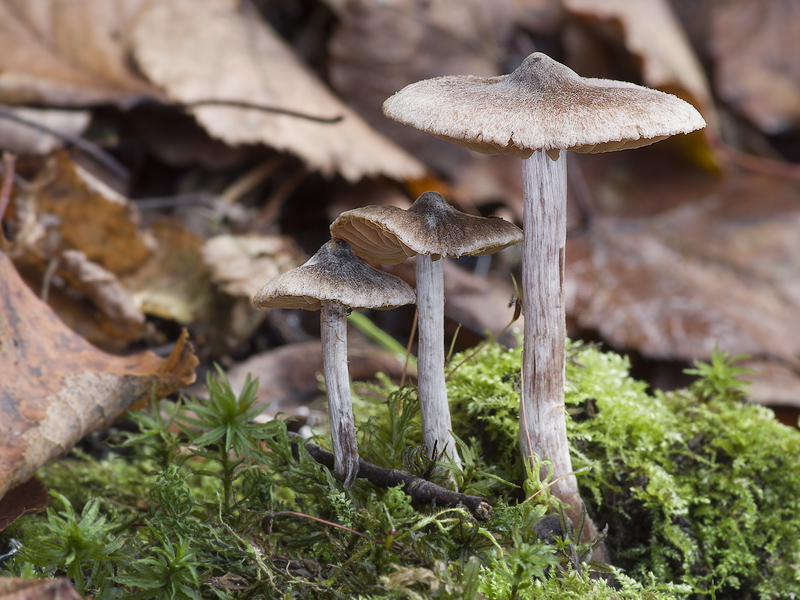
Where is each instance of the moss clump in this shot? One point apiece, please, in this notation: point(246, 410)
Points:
point(698, 486)
point(700, 491)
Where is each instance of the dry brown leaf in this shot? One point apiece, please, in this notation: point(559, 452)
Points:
point(28, 497)
point(56, 387)
point(24, 140)
point(115, 302)
point(174, 282)
point(66, 53)
point(722, 270)
point(289, 375)
point(653, 33)
point(241, 264)
point(66, 207)
point(540, 16)
point(219, 49)
point(379, 47)
point(59, 588)
point(755, 46)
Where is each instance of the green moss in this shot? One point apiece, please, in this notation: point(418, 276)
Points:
point(701, 492)
point(697, 486)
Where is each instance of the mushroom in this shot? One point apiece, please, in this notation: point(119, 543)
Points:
point(430, 228)
point(334, 281)
point(536, 113)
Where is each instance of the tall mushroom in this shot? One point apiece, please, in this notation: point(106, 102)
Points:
point(535, 113)
point(334, 281)
point(430, 228)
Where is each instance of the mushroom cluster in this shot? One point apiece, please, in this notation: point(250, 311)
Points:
point(335, 280)
point(536, 113)
point(429, 229)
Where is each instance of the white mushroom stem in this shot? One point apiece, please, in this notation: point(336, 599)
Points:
point(543, 430)
point(433, 405)
point(333, 331)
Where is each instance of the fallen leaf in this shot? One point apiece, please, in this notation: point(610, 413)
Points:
point(28, 497)
point(540, 16)
point(653, 33)
point(380, 47)
point(115, 302)
point(722, 269)
point(289, 375)
point(755, 46)
point(64, 53)
point(776, 383)
point(68, 208)
point(56, 387)
point(241, 264)
point(59, 588)
point(177, 45)
point(174, 282)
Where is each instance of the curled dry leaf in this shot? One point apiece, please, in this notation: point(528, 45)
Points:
point(653, 33)
point(56, 387)
point(220, 50)
point(64, 53)
point(66, 207)
point(104, 289)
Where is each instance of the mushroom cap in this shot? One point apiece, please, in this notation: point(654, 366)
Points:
point(335, 273)
point(389, 235)
point(542, 105)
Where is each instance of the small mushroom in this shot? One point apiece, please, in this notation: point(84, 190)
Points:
point(334, 281)
point(430, 228)
point(534, 113)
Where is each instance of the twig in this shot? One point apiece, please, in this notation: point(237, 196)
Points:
point(9, 161)
point(420, 490)
point(252, 179)
point(248, 105)
point(91, 149)
point(272, 206)
point(751, 162)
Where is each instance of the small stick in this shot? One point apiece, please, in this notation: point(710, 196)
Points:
point(421, 490)
point(93, 150)
point(9, 161)
point(260, 107)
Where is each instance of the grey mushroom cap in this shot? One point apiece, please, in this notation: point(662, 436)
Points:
point(335, 273)
point(542, 105)
point(389, 235)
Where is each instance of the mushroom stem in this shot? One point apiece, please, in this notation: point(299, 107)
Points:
point(433, 404)
point(333, 331)
point(543, 430)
